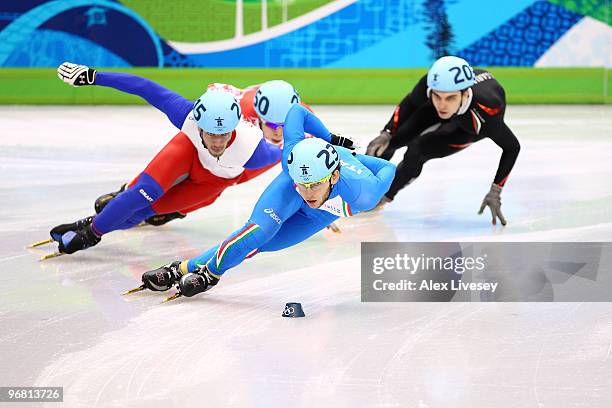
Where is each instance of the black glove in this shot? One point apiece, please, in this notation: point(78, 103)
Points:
point(338, 140)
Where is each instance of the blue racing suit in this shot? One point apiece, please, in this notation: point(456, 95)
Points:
point(281, 218)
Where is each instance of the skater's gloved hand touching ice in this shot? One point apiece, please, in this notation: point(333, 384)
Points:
point(379, 144)
point(493, 201)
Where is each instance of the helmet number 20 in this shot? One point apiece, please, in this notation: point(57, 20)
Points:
point(465, 70)
point(327, 152)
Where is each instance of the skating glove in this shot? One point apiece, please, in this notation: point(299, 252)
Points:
point(76, 75)
point(493, 201)
point(379, 144)
point(338, 140)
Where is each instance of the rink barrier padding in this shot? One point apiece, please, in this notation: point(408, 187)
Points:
point(40, 86)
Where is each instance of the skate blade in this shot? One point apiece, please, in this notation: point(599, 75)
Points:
point(175, 296)
point(53, 255)
point(40, 243)
point(334, 228)
point(138, 289)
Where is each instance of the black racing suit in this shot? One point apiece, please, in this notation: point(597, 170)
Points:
point(483, 118)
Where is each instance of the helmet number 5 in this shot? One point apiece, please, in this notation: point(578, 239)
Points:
point(198, 110)
point(465, 70)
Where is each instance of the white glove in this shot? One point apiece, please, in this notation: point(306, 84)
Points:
point(76, 75)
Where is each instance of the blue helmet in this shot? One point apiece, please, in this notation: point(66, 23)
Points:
point(274, 99)
point(217, 112)
point(450, 74)
point(311, 160)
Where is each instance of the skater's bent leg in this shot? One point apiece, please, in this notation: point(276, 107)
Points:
point(172, 163)
point(298, 228)
point(188, 196)
point(407, 170)
point(250, 174)
point(136, 218)
point(277, 203)
point(123, 207)
point(433, 145)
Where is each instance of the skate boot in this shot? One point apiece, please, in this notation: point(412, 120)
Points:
point(57, 232)
point(161, 219)
point(104, 199)
point(161, 279)
point(73, 241)
point(199, 281)
point(191, 284)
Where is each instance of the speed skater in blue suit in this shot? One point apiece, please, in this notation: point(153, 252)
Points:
point(319, 183)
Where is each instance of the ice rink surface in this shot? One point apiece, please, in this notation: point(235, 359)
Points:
point(63, 322)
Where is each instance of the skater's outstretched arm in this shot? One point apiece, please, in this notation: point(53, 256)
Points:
point(379, 167)
point(394, 135)
point(408, 105)
point(173, 105)
point(374, 183)
point(265, 154)
point(300, 120)
point(501, 134)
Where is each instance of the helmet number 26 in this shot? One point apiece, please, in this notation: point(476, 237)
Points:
point(465, 70)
